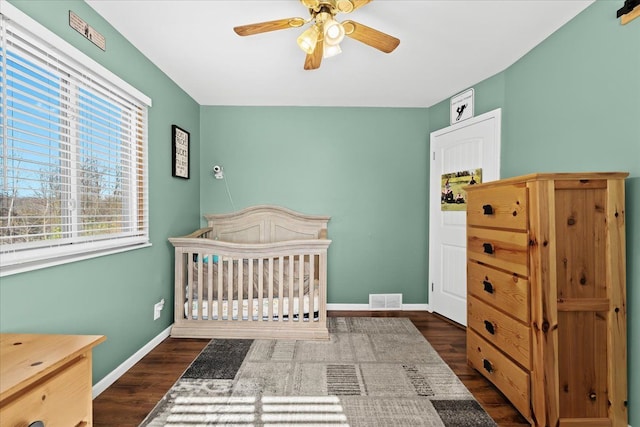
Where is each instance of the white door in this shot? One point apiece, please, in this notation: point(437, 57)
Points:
point(472, 144)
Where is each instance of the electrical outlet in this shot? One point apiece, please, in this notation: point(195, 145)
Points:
point(157, 308)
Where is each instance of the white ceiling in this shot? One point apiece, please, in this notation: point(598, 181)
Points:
point(445, 47)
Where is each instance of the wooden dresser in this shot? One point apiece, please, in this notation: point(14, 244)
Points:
point(46, 378)
point(546, 295)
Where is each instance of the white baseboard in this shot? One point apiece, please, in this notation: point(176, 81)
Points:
point(416, 307)
point(365, 307)
point(111, 377)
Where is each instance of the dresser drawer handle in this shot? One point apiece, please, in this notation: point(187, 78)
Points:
point(488, 248)
point(488, 286)
point(36, 424)
point(487, 366)
point(490, 327)
point(488, 209)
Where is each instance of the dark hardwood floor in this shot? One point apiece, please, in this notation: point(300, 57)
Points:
point(127, 401)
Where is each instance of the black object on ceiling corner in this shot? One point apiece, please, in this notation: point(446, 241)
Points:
point(629, 5)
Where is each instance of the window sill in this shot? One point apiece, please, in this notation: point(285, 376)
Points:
point(10, 270)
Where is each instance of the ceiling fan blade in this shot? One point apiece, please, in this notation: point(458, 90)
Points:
point(313, 60)
point(343, 6)
point(371, 37)
point(357, 4)
point(263, 27)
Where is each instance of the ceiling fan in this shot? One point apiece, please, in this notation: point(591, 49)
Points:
point(322, 39)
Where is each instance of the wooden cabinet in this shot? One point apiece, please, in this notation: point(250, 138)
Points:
point(546, 286)
point(46, 378)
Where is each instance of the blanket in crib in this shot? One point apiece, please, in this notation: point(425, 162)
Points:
point(274, 274)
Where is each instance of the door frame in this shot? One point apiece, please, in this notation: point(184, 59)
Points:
point(434, 208)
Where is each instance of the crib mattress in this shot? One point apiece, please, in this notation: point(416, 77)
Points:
point(204, 306)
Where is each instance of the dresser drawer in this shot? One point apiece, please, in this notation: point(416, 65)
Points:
point(502, 249)
point(507, 292)
point(63, 399)
point(499, 207)
point(513, 381)
point(506, 333)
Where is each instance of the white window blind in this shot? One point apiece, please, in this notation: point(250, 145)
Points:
point(73, 177)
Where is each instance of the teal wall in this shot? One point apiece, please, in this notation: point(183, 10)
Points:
point(114, 295)
point(573, 104)
point(365, 167)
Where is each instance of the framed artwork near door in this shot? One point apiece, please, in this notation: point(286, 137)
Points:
point(453, 196)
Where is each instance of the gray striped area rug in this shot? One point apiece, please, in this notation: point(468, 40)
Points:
point(372, 372)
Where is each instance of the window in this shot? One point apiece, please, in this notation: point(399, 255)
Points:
point(73, 172)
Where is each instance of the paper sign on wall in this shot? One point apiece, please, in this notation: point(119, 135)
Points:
point(87, 31)
point(462, 106)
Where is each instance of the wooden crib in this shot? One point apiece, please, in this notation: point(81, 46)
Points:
point(257, 273)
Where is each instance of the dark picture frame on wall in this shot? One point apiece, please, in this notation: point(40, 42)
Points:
point(180, 148)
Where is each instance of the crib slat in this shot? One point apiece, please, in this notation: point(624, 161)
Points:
point(290, 292)
point(270, 291)
point(230, 289)
point(260, 288)
point(178, 304)
point(250, 291)
point(200, 287)
point(322, 289)
point(312, 275)
point(220, 288)
point(210, 287)
point(189, 287)
point(280, 287)
point(240, 284)
point(301, 288)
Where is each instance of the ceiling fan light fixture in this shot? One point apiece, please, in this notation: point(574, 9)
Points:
point(308, 39)
point(322, 39)
point(331, 50)
point(333, 32)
